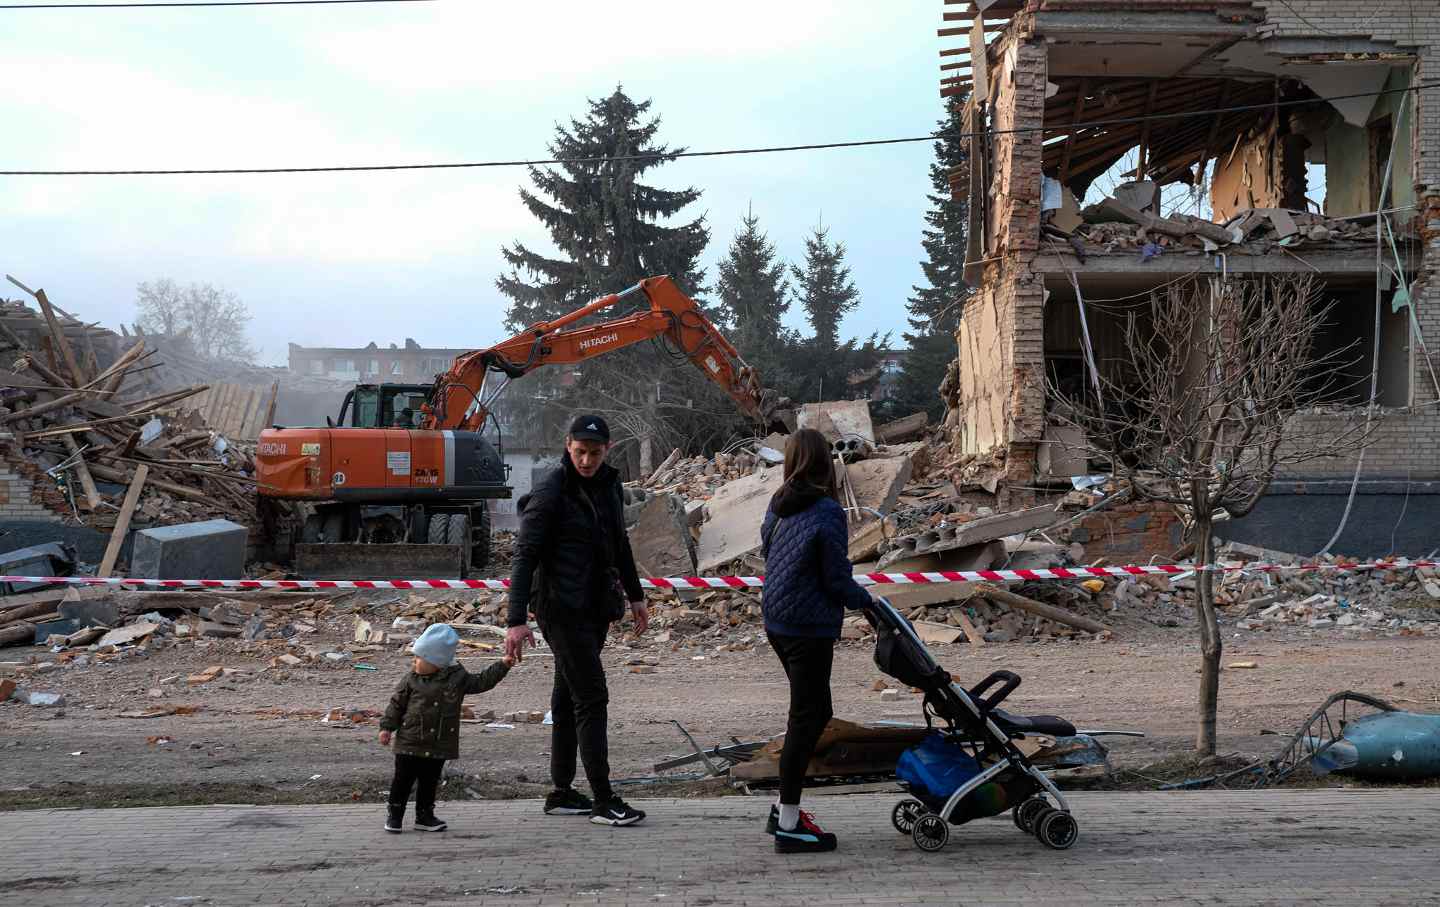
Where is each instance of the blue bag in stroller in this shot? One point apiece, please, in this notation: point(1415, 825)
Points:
point(935, 769)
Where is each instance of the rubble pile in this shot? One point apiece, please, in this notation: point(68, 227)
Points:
point(1398, 601)
point(79, 431)
point(1131, 221)
point(1257, 227)
point(696, 478)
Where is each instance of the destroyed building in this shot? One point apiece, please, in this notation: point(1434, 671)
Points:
point(1094, 125)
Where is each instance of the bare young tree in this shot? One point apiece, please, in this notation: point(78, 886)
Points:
point(214, 319)
point(1200, 415)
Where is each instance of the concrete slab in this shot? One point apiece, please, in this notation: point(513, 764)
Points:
point(836, 419)
point(737, 509)
point(910, 428)
point(982, 556)
point(212, 549)
point(986, 529)
point(878, 482)
point(735, 512)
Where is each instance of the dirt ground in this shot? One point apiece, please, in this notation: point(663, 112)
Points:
point(257, 735)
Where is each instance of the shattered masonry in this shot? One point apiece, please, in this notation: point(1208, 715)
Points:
point(1062, 64)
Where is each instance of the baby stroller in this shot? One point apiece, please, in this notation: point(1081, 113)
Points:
point(971, 768)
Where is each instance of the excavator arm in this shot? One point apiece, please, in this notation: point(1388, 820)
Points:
point(461, 398)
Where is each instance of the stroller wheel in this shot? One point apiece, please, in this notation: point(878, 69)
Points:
point(1057, 830)
point(904, 815)
point(930, 833)
point(1027, 812)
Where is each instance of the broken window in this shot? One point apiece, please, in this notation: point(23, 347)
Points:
point(1347, 340)
point(1345, 344)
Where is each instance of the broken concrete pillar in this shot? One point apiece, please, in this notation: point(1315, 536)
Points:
point(213, 549)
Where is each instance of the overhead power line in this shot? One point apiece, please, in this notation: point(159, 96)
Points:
point(185, 3)
point(729, 152)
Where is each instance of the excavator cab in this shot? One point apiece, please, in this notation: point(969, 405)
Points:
point(384, 406)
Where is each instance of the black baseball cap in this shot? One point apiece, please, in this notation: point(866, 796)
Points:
point(590, 428)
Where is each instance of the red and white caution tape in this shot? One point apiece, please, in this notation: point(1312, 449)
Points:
point(720, 582)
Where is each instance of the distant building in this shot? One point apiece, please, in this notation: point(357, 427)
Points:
point(885, 374)
point(410, 364)
point(892, 363)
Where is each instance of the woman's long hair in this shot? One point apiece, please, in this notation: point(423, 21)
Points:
point(808, 465)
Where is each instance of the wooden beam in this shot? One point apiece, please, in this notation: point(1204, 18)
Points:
point(270, 408)
point(1049, 612)
point(122, 522)
point(1143, 156)
point(119, 365)
point(1215, 126)
point(87, 481)
point(56, 331)
point(1177, 229)
point(952, 32)
point(1070, 139)
point(180, 491)
point(42, 408)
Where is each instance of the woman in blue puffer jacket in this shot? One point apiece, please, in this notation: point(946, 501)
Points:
point(808, 586)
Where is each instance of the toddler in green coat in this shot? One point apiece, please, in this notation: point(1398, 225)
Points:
point(423, 722)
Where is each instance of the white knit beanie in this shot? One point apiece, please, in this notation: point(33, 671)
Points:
point(437, 645)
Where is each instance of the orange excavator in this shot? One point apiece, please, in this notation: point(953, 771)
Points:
point(402, 480)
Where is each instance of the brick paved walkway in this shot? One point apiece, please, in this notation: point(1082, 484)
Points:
point(1345, 847)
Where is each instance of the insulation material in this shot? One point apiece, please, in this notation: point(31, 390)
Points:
point(1249, 177)
point(983, 381)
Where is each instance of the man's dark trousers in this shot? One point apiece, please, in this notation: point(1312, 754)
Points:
point(579, 703)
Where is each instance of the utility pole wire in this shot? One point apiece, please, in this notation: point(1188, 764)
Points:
point(672, 155)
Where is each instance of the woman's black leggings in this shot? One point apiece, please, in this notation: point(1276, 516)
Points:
point(807, 663)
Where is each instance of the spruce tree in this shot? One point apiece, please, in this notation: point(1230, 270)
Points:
point(604, 221)
point(753, 295)
point(610, 230)
point(935, 308)
point(826, 293)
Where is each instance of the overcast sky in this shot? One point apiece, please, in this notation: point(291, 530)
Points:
point(340, 260)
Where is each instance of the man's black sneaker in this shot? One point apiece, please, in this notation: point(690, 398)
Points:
point(615, 812)
point(772, 822)
point(395, 820)
point(429, 823)
point(568, 802)
point(805, 837)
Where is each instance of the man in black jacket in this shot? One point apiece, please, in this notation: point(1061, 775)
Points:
point(573, 568)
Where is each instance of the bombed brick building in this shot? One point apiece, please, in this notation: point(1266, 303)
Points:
point(1209, 137)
